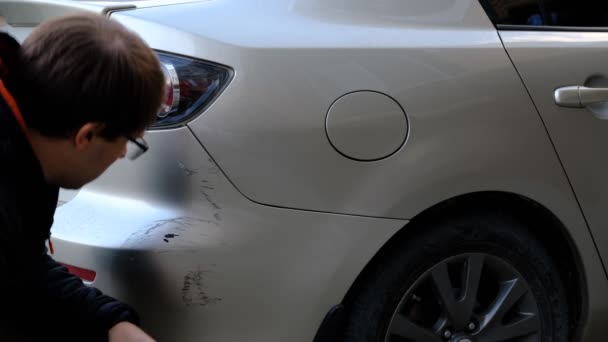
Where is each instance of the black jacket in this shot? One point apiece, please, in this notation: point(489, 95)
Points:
point(40, 300)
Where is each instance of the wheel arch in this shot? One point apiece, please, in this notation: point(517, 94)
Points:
point(540, 221)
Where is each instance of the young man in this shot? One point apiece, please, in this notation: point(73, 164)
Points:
point(72, 96)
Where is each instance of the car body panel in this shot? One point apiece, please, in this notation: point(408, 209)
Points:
point(136, 3)
point(19, 17)
point(455, 83)
point(33, 12)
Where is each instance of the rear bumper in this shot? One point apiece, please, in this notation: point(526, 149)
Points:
point(201, 262)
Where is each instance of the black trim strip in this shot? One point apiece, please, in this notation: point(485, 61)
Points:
point(504, 27)
point(332, 327)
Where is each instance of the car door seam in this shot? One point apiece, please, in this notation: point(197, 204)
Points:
point(556, 153)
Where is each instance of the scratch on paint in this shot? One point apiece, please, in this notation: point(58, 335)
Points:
point(213, 170)
point(180, 224)
point(203, 190)
point(169, 236)
point(188, 171)
point(193, 290)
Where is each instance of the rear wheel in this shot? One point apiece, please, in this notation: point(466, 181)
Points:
point(465, 279)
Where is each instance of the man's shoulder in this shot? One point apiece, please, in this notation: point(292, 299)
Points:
point(11, 157)
point(15, 153)
point(10, 175)
point(15, 167)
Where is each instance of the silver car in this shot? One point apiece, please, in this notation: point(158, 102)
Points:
point(388, 170)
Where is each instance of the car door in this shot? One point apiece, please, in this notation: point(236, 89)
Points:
point(560, 50)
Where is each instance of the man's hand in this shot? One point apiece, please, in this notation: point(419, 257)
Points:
point(128, 332)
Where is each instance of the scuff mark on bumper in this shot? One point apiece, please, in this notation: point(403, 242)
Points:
point(193, 290)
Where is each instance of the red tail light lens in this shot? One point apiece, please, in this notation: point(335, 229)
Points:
point(191, 86)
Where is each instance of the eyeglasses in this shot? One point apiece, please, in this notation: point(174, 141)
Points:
point(136, 148)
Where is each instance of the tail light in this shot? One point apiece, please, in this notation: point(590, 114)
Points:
point(191, 86)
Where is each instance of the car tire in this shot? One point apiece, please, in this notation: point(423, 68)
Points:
point(422, 287)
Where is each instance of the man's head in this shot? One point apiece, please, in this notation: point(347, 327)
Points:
point(85, 86)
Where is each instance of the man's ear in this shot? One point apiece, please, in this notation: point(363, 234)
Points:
point(85, 134)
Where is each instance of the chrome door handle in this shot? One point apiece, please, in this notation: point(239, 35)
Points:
point(579, 96)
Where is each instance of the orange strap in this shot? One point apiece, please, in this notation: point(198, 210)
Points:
point(10, 100)
point(51, 249)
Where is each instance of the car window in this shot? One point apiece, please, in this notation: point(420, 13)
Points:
point(581, 13)
point(563, 13)
point(513, 12)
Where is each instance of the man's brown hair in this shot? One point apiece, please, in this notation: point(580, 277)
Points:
point(87, 68)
